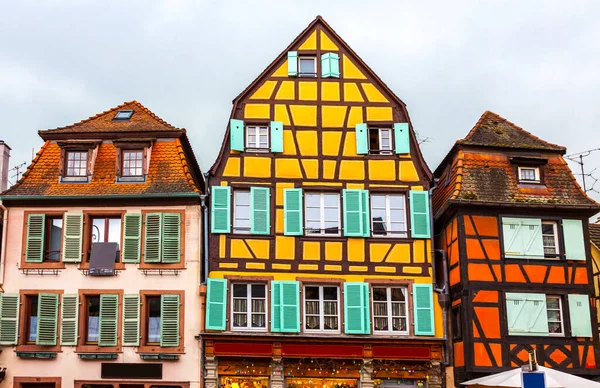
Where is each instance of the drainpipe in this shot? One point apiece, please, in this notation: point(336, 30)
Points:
point(203, 199)
point(3, 210)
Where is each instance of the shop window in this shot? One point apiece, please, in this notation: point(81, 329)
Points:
point(322, 214)
point(249, 307)
point(104, 230)
point(321, 308)
point(390, 312)
point(388, 215)
point(244, 382)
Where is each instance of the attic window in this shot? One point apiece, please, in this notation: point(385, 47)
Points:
point(529, 174)
point(123, 115)
point(307, 66)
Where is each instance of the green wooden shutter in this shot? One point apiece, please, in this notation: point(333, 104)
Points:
point(69, 315)
point(366, 218)
point(152, 238)
point(9, 319)
point(356, 308)
point(236, 134)
point(292, 212)
point(290, 306)
point(334, 65)
point(419, 214)
point(362, 139)
point(292, 63)
point(276, 136)
point(169, 320)
point(579, 311)
point(131, 320)
point(109, 318)
point(526, 314)
point(73, 236)
point(574, 241)
point(325, 65)
point(34, 251)
point(171, 237)
point(276, 306)
point(132, 235)
point(402, 138)
point(47, 319)
point(260, 221)
point(533, 243)
point(220, 209)
point(353, 213)
point(216, 304)
point(513, 243)
point(423, 309)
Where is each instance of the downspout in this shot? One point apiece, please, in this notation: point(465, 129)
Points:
point(203, 282)
point(204, 272)
point(4, 211)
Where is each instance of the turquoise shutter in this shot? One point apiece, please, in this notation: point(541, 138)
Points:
point(276, 306)
point(292, 212)
point(276, 136)
point(152, 238)
point(109, 318)
point(69, 315)
point(362, 139)
point(511, 235)
point(9, 319)
point(236, 134)
point(574, 241)
point(325, 65)
point(353, 213)
point(132, 235)
point(169, 320)
point(220, 209)
point(533, 242)
point(579, 311)
point(290, 306)
point(34, 251)
point(47, 322)
point(131, 320)
point(526, 314)
point(334, 65)
point(171, 237)
point(356, 308)
point(73, 236)
point(216, 304)
point(423, 309)
point(402, 138)
point(366, 218)
point(419, 214)
point(260, 221)
point(522, 237)
point(292, 63)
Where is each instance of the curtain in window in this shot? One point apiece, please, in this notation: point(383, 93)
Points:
point(93, 328)
point(154, 329)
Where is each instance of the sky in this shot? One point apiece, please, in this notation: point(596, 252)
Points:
point(535, 63)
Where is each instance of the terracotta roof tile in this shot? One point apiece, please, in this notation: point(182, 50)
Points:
point(595, 234)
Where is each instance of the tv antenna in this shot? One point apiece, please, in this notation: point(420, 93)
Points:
point(578, 158)
point(18, 171)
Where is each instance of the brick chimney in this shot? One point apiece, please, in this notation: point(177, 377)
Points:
point(4, 158)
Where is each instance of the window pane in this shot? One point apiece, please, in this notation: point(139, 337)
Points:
point(311, 293)
point(153, 319)
point(307, 65)
point(398, 294)
point(397, 201)
point(240, 305)
point(259, 320)
point(258, 305)
point(399, 324)
point(242, 198)
point(258, 291)
point(240, 291)
point(98, 227)
point(93, 318)
point(379, 294)
point(114, 230)
point(32, 327)
point(548, 229)
point(312, 322)
point(332, 227)
point(329, 293)
point(378, 201)
point(313, 213)
point(55, 239)
point(313, 200)
point(554, 327)
point(313, 226)
point(332, 200)
point(381, 324)
point(331, 214)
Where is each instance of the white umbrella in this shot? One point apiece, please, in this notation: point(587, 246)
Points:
point(512, 378)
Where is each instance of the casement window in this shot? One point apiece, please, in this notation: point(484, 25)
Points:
point(104, 230)
point(532, 238)
point(255, 137)
point(390, 310)
point(322, 212)
point(380, 141)
point(76, 163)
point(40, 318)
point(99, 319)
point(388, 215)
point(31, 318)
point(249, 306)
point(241, 211)
point(162, 237)
point(132, 163)
point(251, 214)
point(529, 174)
point(307, 66)
point(92, 321)
point(321, 309)
point(51, 239)
point(161, 316)
point(543, 315)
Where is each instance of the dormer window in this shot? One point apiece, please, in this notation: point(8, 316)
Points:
point(133, 156)
point(77, 160)
point(307, 66)
point(76, 164)
point(529, 174)
point(123, 115)
point(133, 161)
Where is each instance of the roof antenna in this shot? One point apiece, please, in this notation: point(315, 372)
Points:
point(578, 158)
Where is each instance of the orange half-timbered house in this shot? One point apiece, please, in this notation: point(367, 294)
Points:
point(514, 224)
point(320, 250)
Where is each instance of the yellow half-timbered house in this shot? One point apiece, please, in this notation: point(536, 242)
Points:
point(320, 258)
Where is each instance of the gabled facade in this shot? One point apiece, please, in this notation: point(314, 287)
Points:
point(595, 247)
point(514, 224)
point(319, 250)
point(102, 258)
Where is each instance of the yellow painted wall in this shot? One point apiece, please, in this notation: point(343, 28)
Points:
point(596, 269)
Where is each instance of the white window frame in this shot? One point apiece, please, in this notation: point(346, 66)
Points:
point(314, 60)
point(235, 217)
point(536, 175)
point(556, 244)
point(80, 170)
point(322, 309)
point(138, 163)
point(249, 312)
point(388, 220)
point(380, 150)
point(255, 130)
point(388, 290)
point(322, 216)
point(562, 317)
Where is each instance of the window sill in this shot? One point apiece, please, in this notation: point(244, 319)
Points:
point(74, 179)
point(118, 266)
point(38, 348)
point(391, 333)
point(324, 236)
point(248, 330)
point(250, 235)
point(98, 349)
point(155, 349)
point(53, 265)
point(323, 332)
point(131, 179)
point(166, 266)
point(261, 151)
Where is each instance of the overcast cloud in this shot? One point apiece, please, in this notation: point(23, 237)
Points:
point(535, 63)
